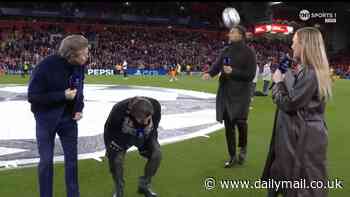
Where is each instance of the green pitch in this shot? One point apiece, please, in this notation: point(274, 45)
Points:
point(187, 164)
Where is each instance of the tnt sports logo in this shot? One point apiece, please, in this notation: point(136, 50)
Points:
point(304, 15)
point(329, 17)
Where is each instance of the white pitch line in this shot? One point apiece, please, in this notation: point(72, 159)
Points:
point(97, 155)
point(7, 151)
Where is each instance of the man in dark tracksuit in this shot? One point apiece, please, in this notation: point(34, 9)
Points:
point(133, 122)
point(55, 92)
point(237, 64)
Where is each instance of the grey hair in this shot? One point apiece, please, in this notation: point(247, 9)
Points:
point(71, 44)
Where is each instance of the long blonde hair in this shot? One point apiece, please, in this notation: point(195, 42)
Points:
point(313, 53)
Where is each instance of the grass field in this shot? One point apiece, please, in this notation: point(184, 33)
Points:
point(187, 164)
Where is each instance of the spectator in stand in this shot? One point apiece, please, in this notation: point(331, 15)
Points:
point(155, 47)
point(266, 74)
point(125, 69)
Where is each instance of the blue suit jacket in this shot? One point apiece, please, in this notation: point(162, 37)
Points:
point(49, 80)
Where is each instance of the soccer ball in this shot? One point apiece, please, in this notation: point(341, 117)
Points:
point(230, 17)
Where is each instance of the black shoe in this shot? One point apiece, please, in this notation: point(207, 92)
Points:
point(147, 192)
point(231, 162)
point(242, 155)
point(116, 195)
point(145, 187)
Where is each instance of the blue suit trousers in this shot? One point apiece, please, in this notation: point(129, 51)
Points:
point(67, 131)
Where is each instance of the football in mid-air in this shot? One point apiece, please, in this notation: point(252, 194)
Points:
point(230, 17)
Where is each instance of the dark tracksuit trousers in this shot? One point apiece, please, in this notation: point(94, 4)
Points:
point(230, 132)
point(117, 143)
point(266, 87)
point(68, 132)
point(150, 150)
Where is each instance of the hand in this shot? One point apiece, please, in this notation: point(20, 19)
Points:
point(70, 94)
point(78, 116)
point(227, 69)
point(277, 76)
point(205, 76)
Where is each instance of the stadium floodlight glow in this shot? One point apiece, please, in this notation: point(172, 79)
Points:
point(273, 28)
point(275, 3)
point(290, 29)
point(268, 28)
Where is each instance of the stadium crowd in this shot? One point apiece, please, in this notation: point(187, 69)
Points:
point(111, 46)
point(341, 64)
point(140, 47)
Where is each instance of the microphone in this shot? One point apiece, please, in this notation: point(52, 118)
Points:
point(283, 66)
point(74, 81)
point(226, 61)
point(140, 132)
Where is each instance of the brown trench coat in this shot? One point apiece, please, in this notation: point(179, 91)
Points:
point(299, 140)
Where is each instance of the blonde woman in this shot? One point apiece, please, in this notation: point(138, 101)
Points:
point(299, 140)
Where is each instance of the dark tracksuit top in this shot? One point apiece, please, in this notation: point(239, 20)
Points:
point(114, 123)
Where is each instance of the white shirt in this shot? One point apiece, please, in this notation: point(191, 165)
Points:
point(178, 68)
point(267, 72)
point(255, 80)
point(125, 65)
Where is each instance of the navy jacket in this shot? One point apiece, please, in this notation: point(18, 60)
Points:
point(50, 78)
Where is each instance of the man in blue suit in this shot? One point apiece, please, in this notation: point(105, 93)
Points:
point(55, 92)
